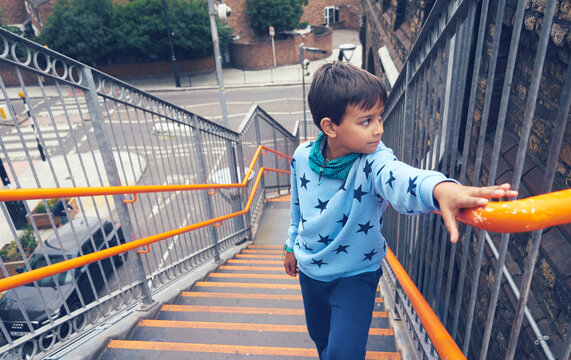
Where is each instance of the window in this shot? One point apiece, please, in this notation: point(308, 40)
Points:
point(331, 15)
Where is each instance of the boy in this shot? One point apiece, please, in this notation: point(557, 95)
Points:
point(341, 185)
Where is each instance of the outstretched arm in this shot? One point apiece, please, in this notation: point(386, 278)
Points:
point(453, 197)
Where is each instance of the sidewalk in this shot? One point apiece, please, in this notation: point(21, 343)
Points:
point(235, 78)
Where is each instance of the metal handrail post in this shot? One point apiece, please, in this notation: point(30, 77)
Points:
point(101, 136)
point(197, 141)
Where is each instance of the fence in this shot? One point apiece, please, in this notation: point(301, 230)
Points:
point(73, 126)
point(439, 116)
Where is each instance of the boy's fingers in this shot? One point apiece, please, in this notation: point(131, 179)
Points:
point(451, 225)
point(494, 191)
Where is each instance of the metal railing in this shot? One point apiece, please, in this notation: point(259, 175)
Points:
point(443, 114)
point(66, 265)
point(95, 131)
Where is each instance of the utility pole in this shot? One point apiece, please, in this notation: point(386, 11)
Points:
point(304, 72)
point(169, 33)
point(218, 60)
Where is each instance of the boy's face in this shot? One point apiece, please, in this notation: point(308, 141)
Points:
point(360, 131)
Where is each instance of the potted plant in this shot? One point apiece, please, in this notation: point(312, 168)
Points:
point(10, 253)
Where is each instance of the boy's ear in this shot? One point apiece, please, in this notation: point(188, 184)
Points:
point(328, 127)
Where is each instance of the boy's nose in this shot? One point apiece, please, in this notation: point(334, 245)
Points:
point(379, 128)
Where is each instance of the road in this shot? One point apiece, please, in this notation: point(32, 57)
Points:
point(283, 103)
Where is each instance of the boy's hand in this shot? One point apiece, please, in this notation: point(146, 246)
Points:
point(453, 197)
point(290, 264)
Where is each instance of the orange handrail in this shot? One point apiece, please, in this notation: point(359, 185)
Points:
point(441, 339)
point(57, 268)
point(529, 214)
point(47, 193)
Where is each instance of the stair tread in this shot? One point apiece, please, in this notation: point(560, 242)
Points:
point(248, 308)
point(167, 351)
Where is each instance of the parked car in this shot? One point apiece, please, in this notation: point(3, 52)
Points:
point(47, 301)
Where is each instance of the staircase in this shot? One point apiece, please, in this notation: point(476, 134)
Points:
point(248, 309)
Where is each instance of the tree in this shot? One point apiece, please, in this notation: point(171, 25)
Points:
point(283, 15)
point(80, 29)
point(141, 30)
point(99, 32)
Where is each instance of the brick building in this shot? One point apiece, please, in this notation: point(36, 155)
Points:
point(342, 13)
point(395, 25)
point(251, 51)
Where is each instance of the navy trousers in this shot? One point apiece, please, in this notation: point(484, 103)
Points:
point(338, 314)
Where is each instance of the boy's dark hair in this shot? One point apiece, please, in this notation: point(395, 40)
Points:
point(339, 84)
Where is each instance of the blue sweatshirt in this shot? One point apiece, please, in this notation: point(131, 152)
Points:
point(335, 226)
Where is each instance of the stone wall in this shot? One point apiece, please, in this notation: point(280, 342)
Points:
point(551, 285)
point(258, 55)
point(394, 24)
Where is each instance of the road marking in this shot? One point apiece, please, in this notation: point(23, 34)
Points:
point(243, 102)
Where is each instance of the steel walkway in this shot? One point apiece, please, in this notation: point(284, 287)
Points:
point(247, 308)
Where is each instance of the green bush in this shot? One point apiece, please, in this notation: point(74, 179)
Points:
point(81, 29)
point(10, 251)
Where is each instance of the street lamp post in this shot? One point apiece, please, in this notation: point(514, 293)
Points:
point(169, 33)
point(218, 61)
point(304, 64)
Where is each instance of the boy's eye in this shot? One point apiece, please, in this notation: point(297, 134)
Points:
point(366, 122)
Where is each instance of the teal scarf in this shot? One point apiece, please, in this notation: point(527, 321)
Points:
point(334, 169)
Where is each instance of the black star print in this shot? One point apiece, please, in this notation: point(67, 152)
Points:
point(344, 220)
point(381, 169)
point(408, 211)
point(412, 185)
point(292, 163)
point(343, 186)
point(381, 221)
point(302, 219)
point(384, 247)
point(304, 181)
point(310, 144)
point(297, 244)
point(370, 255)
point(296, 203)
point(318, 262)
point(324, 239)
point(365, 227)
point(307, 247)
point(322, 205)
point(368, 168)
point(342, 248)
point(358, 193)
point(390, 180)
